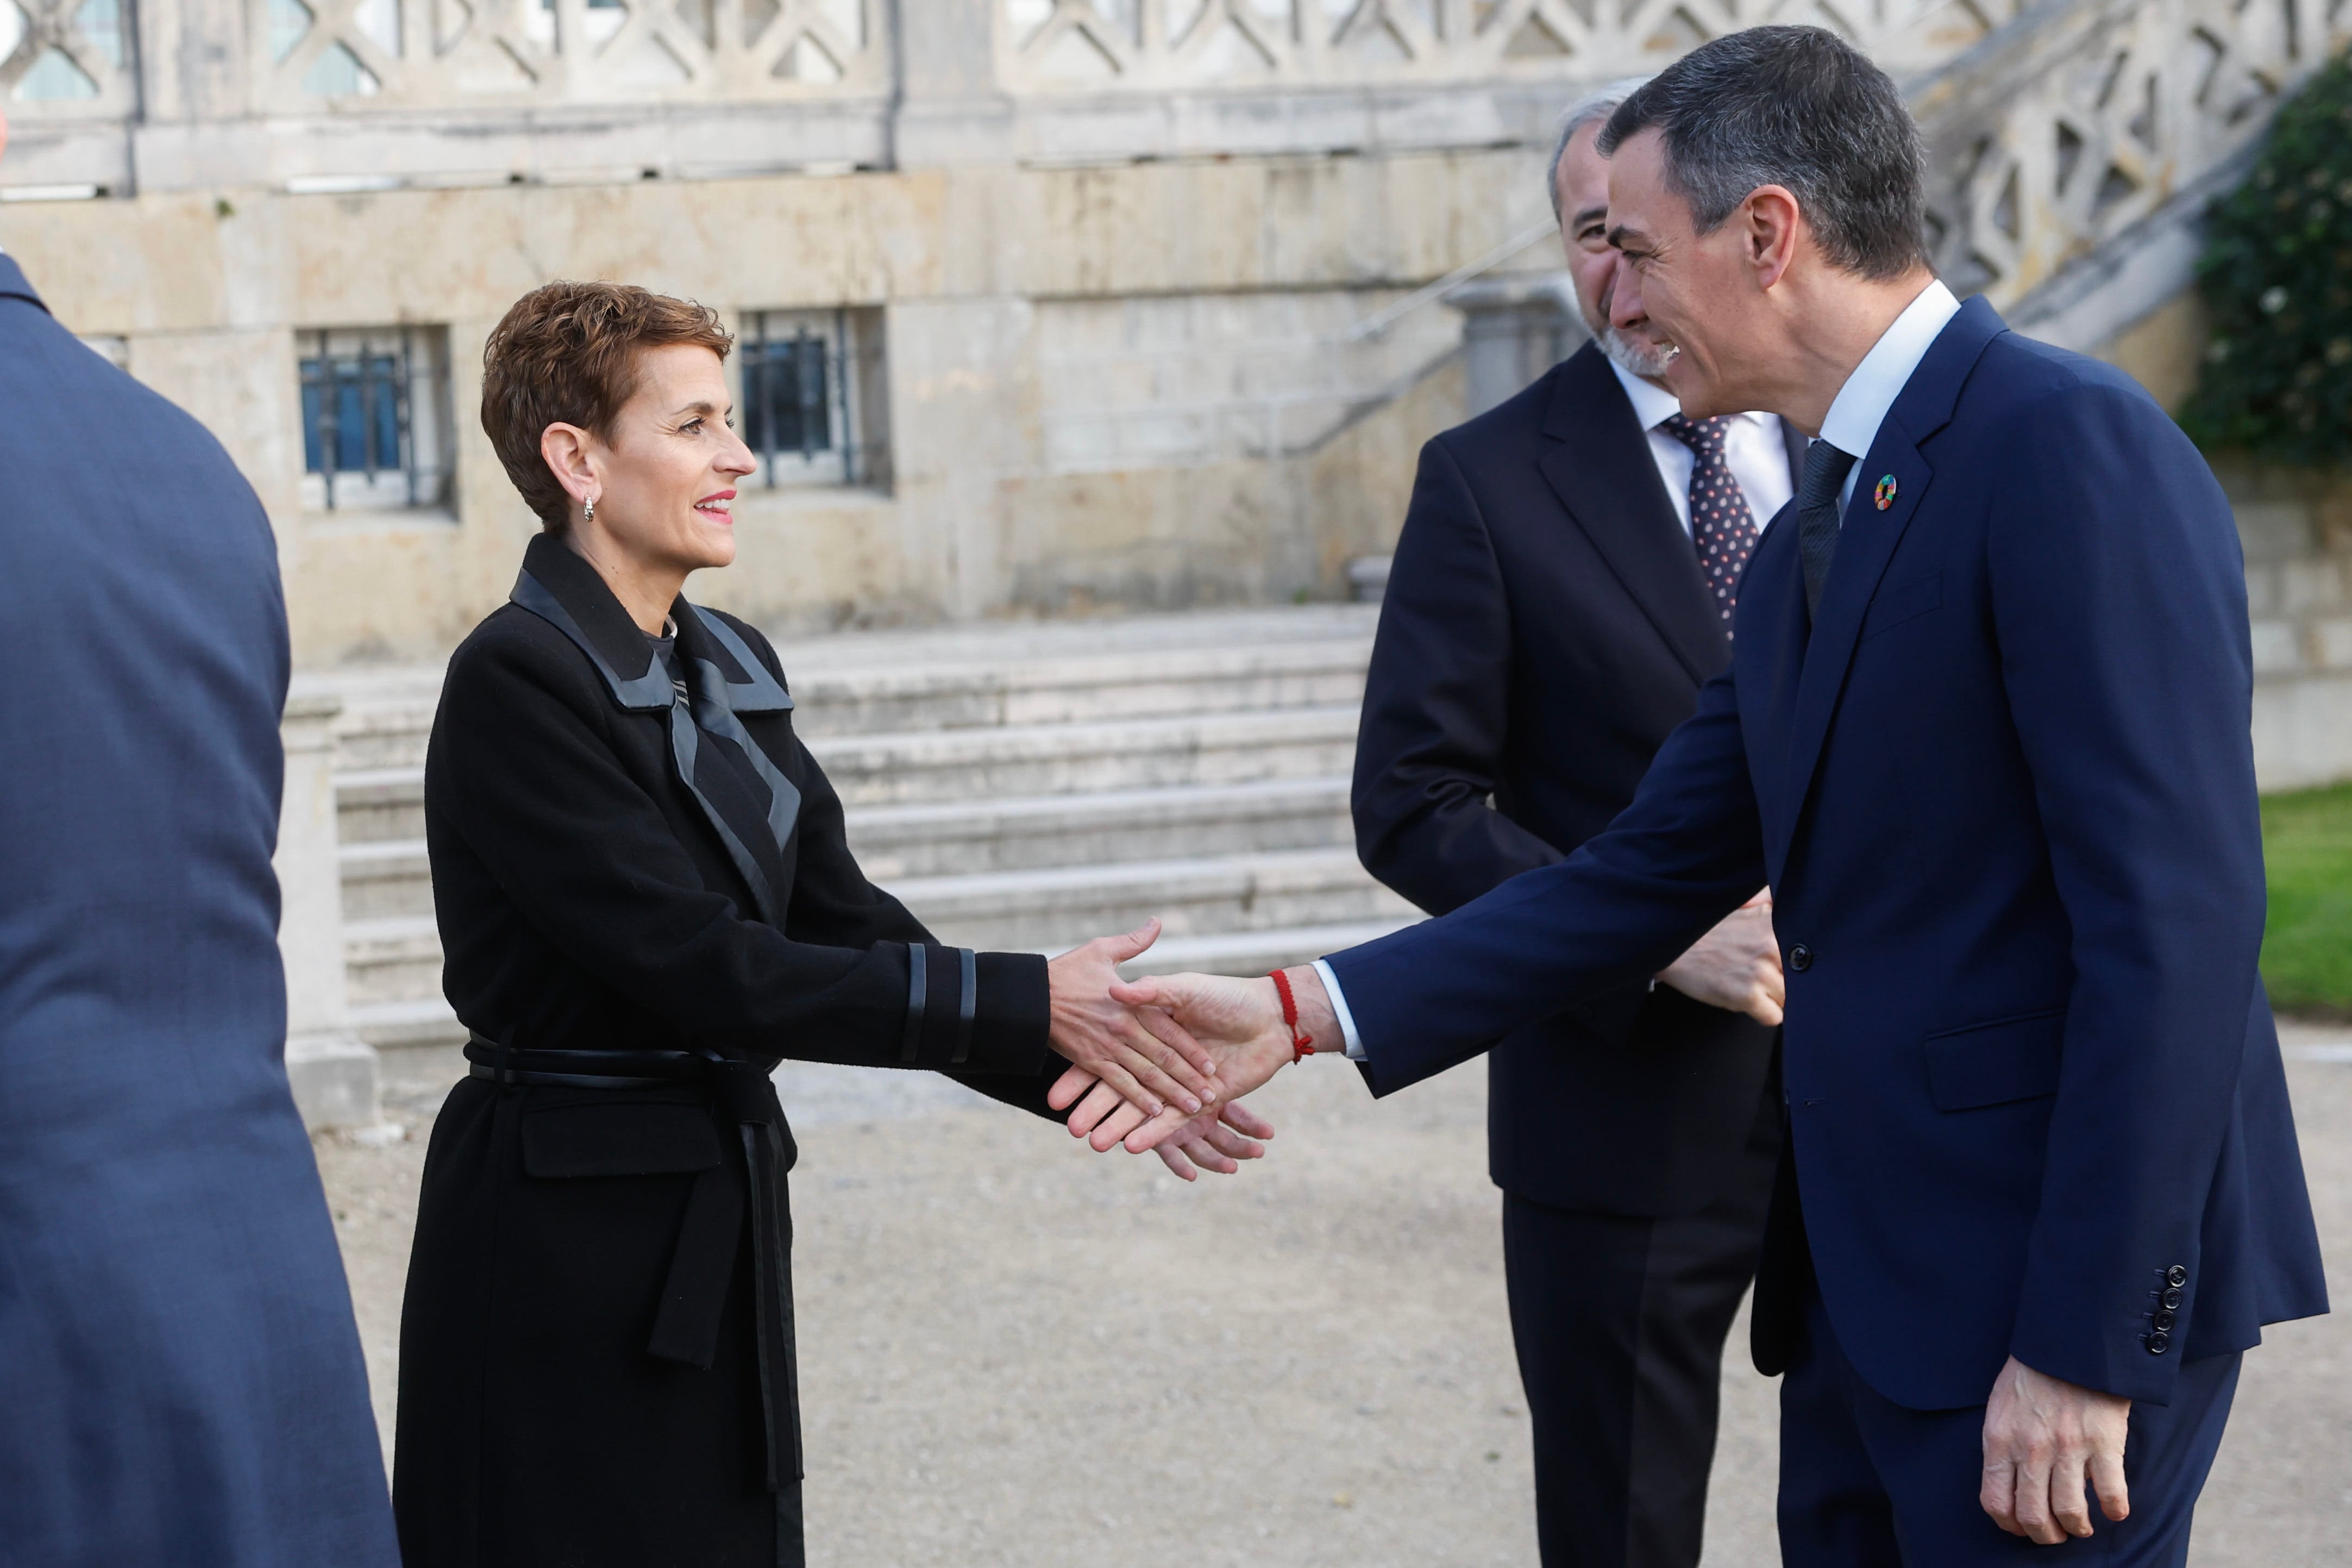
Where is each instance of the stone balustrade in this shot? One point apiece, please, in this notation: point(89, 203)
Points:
point(1051, 46)
point(2073, 152)
point(307, 93)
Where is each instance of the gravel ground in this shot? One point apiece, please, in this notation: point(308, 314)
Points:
point(1013, 1351)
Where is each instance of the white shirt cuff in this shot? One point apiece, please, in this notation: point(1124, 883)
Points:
point(1339, 1005)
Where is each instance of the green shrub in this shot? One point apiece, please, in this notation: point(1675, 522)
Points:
point(2277, 277)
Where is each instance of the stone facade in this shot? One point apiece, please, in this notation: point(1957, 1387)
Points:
point(1126, 268)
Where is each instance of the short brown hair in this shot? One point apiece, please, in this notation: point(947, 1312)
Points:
point(567, 353)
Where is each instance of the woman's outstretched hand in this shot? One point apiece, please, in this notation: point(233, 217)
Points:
point(1215, 1141)
point(1141, 1055)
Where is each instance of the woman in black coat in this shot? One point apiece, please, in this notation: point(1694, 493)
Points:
point(646, 900)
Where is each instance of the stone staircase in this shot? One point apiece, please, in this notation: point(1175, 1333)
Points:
point(1019, 787)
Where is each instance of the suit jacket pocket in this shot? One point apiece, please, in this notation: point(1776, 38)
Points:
point(1997, 1062)
point(621, 1140)
point(1903, 600)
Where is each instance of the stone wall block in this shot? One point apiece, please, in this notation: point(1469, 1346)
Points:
point(2278, 650)
point(2262, 588)
point(2310, 587)
point(2331, 644)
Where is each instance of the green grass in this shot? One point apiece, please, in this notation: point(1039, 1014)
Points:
point(2308, 949)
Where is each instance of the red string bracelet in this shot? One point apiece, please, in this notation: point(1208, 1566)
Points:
point(1301, 1045)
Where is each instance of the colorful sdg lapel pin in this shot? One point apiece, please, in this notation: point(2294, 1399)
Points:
point(1884, 494)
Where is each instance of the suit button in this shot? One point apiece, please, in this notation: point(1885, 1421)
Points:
point(2170, 1299)
point(2164, 1322)
point(1801, 958)
point(2158, 1342)
point(2176, 1275)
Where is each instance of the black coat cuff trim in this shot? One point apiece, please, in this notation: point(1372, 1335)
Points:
point(910, 1046)
point(968, 977)
point(975, 1012)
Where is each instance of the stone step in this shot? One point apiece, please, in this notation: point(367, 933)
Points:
point(865, 685)
point(950, 767)
point(391, 959)
point(385, 877)
point(1052, 909)
point(1037, 832)
point(1260, 951)
point(416, 1023)
point(391, 876)
point(375, 805)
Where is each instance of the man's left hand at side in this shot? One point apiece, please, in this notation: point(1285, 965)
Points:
point(2042, 1436)
point(1736, 966)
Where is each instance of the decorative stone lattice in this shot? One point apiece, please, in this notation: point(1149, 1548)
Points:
point(382, 53)
point(2063, 136)
point(1060, 46)
point(66, 59)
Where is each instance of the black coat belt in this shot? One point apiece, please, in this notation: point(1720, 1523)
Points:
point(694, 1296)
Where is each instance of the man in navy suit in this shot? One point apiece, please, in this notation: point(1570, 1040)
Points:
point(1563, 586)
point(179, 1375)
point(1986, 734)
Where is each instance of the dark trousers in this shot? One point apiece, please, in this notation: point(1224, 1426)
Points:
point(1619, 1324)
point(1866, 1483)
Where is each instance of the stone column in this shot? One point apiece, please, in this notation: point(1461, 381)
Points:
point(1513, 329)
point(333, 1071)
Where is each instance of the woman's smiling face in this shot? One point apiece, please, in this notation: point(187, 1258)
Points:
point(670, 465)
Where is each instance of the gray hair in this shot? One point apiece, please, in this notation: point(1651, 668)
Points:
point(1599, 104)
point(1801, 108)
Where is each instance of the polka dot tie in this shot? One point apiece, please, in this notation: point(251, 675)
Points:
point(1722, 526)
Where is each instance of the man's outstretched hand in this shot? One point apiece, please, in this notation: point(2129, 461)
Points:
point(1239, 1022)
point(1142, 1057)
point(2042, 1436)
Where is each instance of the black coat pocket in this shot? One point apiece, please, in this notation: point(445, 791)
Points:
point(622, 1140)
point(1994, 1063)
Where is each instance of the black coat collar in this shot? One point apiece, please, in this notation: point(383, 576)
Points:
point(746, 796)
point(559, 586)
point(1597, 460)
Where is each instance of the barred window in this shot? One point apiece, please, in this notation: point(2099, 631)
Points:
point(812, 410)
point(376, 418)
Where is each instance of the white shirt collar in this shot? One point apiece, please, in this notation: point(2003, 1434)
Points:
point(1653, 404)
point(1862, 404)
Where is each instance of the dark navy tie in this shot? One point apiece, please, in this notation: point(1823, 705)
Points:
point(1817, 515)
point(1723, 526)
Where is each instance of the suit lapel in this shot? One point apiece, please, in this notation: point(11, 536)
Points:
point(1796, 441)
point(1867, 540)
point(1597, 460)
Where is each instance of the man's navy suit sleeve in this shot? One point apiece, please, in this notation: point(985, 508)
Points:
point(1437, 707)
point(2119, 609)
point(1687, 852)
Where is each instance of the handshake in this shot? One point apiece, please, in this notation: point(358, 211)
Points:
point(1162, 1064)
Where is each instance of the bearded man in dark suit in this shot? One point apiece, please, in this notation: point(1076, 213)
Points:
point(1562, 587)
